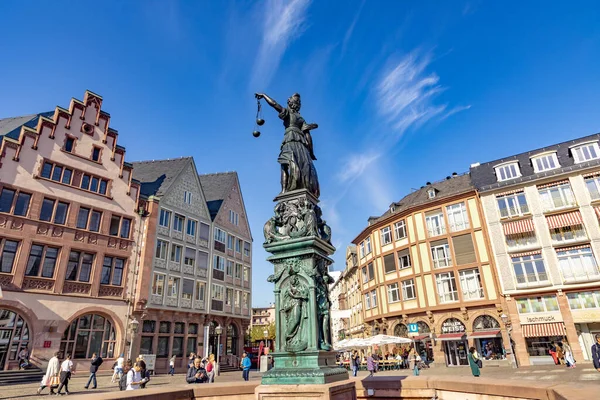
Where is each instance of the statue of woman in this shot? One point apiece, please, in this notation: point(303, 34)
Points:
point(293, 309)
point(296, 157)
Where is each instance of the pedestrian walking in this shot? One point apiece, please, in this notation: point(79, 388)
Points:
point(370, 364)
point(52, 377)
point(210, 368)
point(596, 353)
point(127, 366)
point(172, 366)
point(354, 360)
point(66, 369)
point(416, 359)
point(474, 361)
point(560, 355)
point(246, 364)
point(95, 364)
point(552, 351)
point(118, 368)
point(134, 377)
point(569, 359)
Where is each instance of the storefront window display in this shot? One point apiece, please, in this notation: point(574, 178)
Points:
point(487, 338)
point(454, 342)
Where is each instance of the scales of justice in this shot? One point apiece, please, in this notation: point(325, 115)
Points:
point(299, 241)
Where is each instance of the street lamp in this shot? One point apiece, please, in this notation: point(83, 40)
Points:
point(133, 328)
point(266, 333)
point(218, 331)
point(507, 324)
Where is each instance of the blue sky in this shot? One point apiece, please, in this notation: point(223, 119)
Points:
point(403, 92)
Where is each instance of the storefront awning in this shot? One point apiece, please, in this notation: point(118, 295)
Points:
point(563, 220)
point(518, 227)
point(541, 330)
point(484, 334)
point(422, 337)
point(450, 336)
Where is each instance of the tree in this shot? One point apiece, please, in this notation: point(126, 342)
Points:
point(257, 333)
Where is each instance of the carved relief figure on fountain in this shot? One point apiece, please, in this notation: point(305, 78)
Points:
point(296, 157)
point(295, 219)
point(322, 282)
point(295, 314)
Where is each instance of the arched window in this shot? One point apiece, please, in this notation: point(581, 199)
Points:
point(485, 322)
point(423, 327)
point(14, 335)
point(232, 339)
point(88, 334)
point(401, 330)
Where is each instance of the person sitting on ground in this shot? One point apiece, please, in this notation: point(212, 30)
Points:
point(196, 374)
point(24, 358)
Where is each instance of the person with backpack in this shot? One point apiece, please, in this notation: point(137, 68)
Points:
point(96, 362)
point(145, 374)
point(210, 368)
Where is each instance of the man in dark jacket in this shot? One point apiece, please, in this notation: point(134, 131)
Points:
point(196, 374)
point(96, 362)
point(596, 353)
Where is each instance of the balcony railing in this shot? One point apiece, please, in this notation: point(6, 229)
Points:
point(436, 231)
point(581, 276)
point(557, 204)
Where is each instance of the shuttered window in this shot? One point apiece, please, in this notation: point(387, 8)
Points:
point(464, 252)
point(389, 263)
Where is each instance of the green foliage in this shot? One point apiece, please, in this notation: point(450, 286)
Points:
point(257, 333)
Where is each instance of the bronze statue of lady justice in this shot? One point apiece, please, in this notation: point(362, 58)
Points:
point(296, 157)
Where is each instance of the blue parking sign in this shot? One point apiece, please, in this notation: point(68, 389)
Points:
point(413, 328)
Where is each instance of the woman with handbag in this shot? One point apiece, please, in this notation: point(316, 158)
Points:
point(51, 379)
point(474, 362)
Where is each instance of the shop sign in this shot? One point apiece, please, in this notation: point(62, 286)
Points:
point(47, 344)
point(584, 316)
point(540, 318)
point(453, 326)
point(150, 360)
point(413, 329)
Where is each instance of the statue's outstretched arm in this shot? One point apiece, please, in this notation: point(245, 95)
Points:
point(269, 101)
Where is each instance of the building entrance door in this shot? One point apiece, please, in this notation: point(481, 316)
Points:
point(456, 352)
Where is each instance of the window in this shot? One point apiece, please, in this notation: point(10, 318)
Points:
point(431, 193)
point(362, 249)
point(96, 154)
point(187, 290)
point(119, 226)
point(8, 253)
point(389, 263)
point(158, 284)
point(190, 229)
point(371, 271)
point(190, 257)
point(94, 184)
point(217, 292)
point(79, 266)
point(545, 162)
point(69, 142)
point(229, 296)
point(178, 223)
point(220, 235)
point(246, 300)
point(200, 288)
point(368, 245)
point(521, 240)
point(440, 254)
point(386, 236)
point(57, 173)
point(176, 252)
point(577, 264)
point(408, 290)
point(435, 223)
point(41, 261)
point(585, 152)
point(593, 185)
point(400, 230)
point(112, 271)
point(365, 275)
point(367, 301)
point(457, 217)
point(393, 293)
point(246, 274)
point(529, 270)
point(218, 262)
point(202, 260)
point(54, 211)
point(246, 249)
point(6, 200)
point(538, 304)
point(229, 268)
point(68, 176)
point(404, 259)
point(204, 231)
point(187, 197)
point(464, 252)
point(234, 218)
point(161, 249)
point(507, 171)
point(568, 234)
point(89, 334)
point(512, 205)
point(446, 287)
point(173, 286)
point(556, 197)
point(21, 206)
point(238, 245)
point(470, 284)
point(164, 218)
point(230, 240)
point(162, 349)
point(238, 271)
point(148, 326)
point(373, 298)
point(584, 300)
point(87, 219)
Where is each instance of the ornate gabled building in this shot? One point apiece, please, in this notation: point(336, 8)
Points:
point(196, 263)
point(353, 295)
point(68, 229)
point(426, 261)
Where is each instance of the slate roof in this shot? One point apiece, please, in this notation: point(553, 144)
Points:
point(216, 187)
point(484, 175)
point(157, 176)
point(11, 127)
point(447, 188)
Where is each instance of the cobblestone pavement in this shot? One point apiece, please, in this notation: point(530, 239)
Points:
point(584, 373)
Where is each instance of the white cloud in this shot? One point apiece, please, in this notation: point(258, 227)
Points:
point(350, 29)
point(284, 21)
point(356, 164)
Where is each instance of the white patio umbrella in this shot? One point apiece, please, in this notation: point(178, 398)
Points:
point(341, 345)
point(380, 340)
